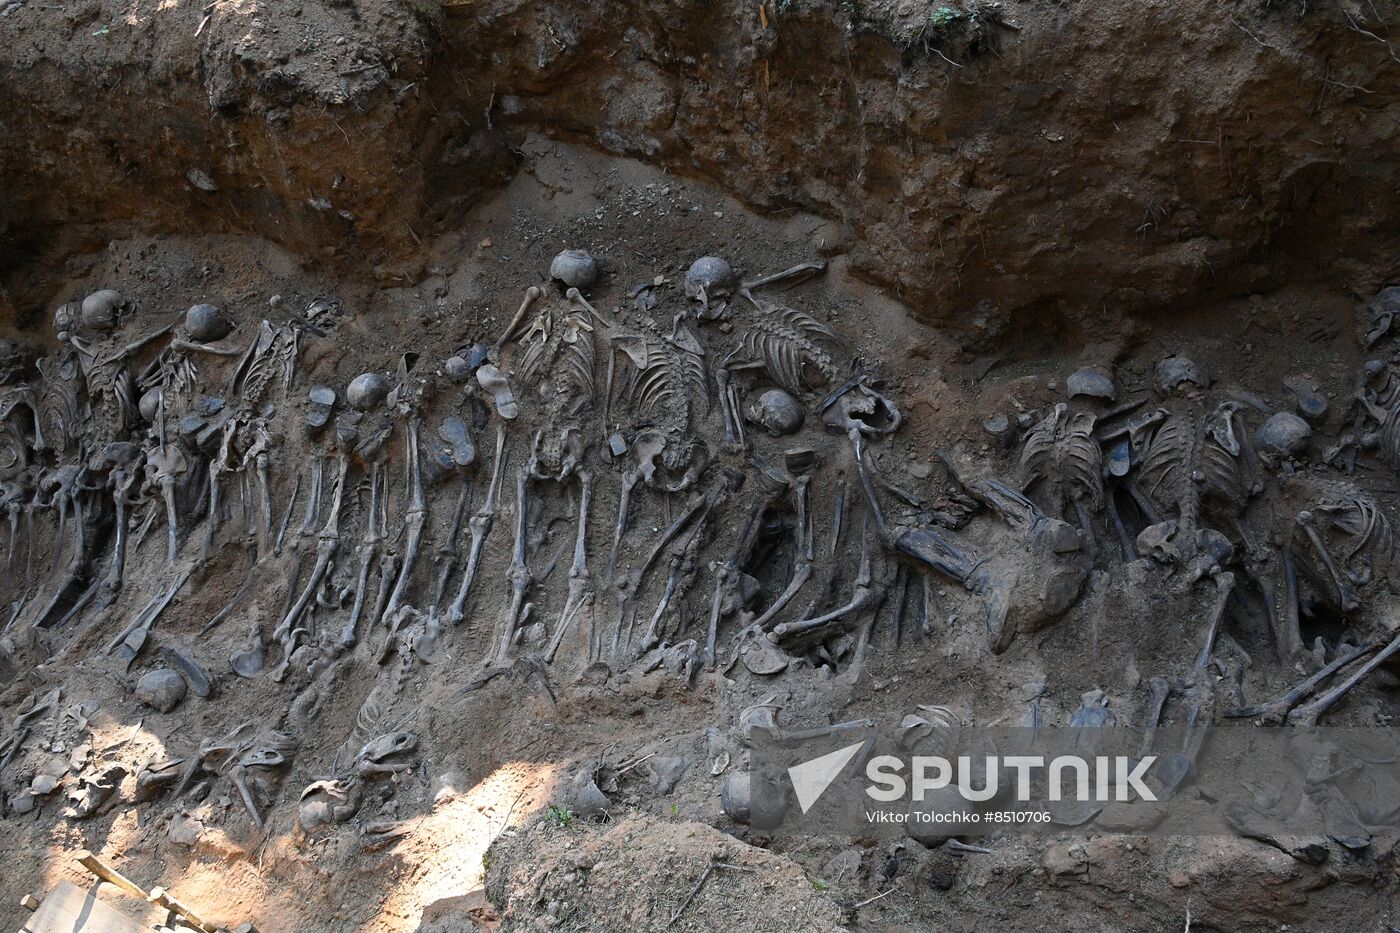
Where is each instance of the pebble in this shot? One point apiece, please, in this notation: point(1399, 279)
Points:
point(162, 689)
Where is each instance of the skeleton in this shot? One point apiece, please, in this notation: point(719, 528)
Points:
point(670, 371)
point(1342, 542)
point(1367, 546)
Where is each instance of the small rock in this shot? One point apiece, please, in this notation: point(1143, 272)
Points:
point(43, 785)
point(367, 390)
point(201, 180)
point(1312, 406)
point(576, 268)
point(457, 369)
point(162, 689)
point(206, 323)
point(753, 800)
point(1283, 435)
point(997, 425)
point(1092, 384)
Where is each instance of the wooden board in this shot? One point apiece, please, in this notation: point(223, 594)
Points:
point(70, 909)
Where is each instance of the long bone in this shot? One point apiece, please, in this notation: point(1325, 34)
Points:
point(838, 517)
point(1284, 625)
point(168, 462)
point(480, 527)
point(699, 510)
point(123, 482)
point(132, 639)
point(863, 595)
point(64, 482)
point(805, 551)
point(446, 561)
point(901, 584)
point(519, 572)
point(327, 542)
point(369, 542)
point(580, 592)
point(218, 466)
point(857, 665)
point(286, 518)
point(532, 294)
point(246, 505)
point(414, 519)
point(265, 542)
point(388, 573)
point(793, 275)
point(630, 478)
point(731, 404)
point(1309, 713)
point(313, 513)
point(727, 574)
point(1158, 690)
point(1177, 766)
point(629, 585)
point(921, 545)
point(1276, 709)
point(683, 566)
point(1347, 599)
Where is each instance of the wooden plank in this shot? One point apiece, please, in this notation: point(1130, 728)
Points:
point(70, 909)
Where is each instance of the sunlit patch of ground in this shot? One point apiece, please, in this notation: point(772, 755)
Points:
point(443, 853)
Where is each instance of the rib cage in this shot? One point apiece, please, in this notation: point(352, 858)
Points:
point(784, 341)
point(1063, 458)
point(1189, 462)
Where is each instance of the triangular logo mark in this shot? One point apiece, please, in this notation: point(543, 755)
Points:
point(811, 778)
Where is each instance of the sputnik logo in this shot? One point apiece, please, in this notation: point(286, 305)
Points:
point(810, 779)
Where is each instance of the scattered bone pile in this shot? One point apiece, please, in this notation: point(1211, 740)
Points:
point(374, 507)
